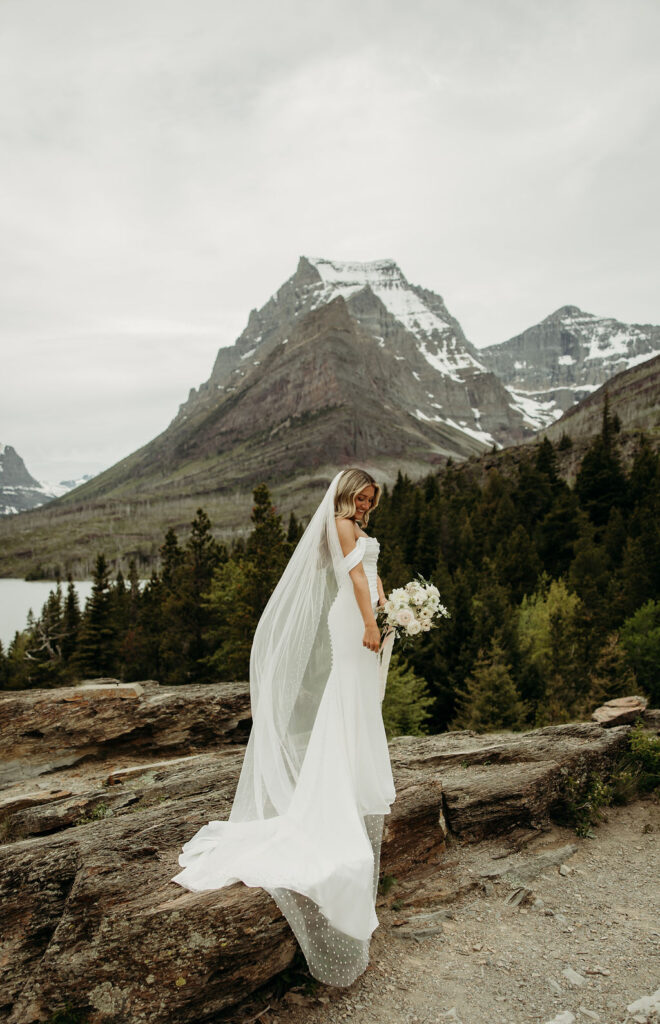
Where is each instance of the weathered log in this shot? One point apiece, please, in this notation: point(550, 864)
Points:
point(91, 913)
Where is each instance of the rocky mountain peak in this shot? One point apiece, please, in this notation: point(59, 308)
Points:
point(18, 488)
point(437, 368)
point(568, 355)
point(568, 312)
point(379, 297)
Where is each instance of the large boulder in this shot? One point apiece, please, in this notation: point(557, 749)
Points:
point(620, 711)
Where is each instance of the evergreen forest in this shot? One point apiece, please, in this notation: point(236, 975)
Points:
point(553, 593)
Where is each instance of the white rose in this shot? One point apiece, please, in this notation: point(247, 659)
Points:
point(404, 617)
point(414, 628)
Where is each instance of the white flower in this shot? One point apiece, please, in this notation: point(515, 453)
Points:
point(414, 628)
point(404, 617)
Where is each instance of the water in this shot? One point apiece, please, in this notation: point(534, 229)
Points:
point(17, 597)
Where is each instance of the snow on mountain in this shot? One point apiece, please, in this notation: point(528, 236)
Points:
point(441, 373)
point(415, 310)
point(567, 356)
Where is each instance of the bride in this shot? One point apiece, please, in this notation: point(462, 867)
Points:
point(307, 818)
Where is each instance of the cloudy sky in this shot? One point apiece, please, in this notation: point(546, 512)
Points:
point(165, 162)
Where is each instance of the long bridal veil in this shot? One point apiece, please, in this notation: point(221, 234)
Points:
point(289, 666)
point(307, 818)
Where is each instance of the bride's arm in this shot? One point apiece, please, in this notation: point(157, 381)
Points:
point(371, 638)
point(381, 592)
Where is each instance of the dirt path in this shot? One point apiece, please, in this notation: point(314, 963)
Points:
point(579, 936)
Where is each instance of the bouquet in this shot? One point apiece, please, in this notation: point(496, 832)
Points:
point(410, 610)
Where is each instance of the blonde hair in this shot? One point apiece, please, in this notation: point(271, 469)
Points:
point(350, 483)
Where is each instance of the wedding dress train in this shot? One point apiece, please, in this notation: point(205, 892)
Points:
point(319, 856)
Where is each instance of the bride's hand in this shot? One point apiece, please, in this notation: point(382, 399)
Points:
point(371, 638)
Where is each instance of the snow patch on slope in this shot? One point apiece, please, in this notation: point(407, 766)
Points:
point(537, 414)
point(478, 435)
point(435, 334)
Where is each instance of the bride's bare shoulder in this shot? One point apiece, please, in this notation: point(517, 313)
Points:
point(346, 531)
point(345, 528)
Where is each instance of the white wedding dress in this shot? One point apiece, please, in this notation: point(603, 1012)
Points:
point(318, 857)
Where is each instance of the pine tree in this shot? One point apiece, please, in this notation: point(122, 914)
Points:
point(644, 477)
point(203, 553)
point(96, 650)
point(44, 650)
point(589, 573)
point(171, 557)
point(121, 605)
point(186, 577)
point(640, 638)
point(267, 550)
point(19, 670)
point(614, 537)
point(601, 484)
point(71, 621)
point(518, 564)
point(491, 700)
point(548, 639)
point(140, 649)
point(241, 588)
point(557, 533)
point(611, 676)
point(533, 495)
point(294, 531)
point(230, 602)
point(546, 461)
point(406, 703)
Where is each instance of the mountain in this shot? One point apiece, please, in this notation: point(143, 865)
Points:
point(346, 361)
point(20, 491)
point(566, 357)
point(18, 488)
point(441, 375)
point(633, 396)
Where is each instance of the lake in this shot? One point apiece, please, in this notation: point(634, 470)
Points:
point(17, 597)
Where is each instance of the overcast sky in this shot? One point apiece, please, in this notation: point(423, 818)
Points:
point(165, 162)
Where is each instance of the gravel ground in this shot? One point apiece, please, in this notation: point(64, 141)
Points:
point(546, 927)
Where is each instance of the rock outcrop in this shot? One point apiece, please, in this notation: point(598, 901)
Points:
point(112, 785)
point(620, 711)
